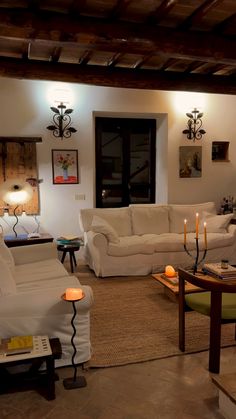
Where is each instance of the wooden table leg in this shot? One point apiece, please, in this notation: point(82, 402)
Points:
point(181, 314)
point(215, 332)
point(50, 378)
point(63, 256)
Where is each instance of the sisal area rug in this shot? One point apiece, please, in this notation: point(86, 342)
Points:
point(133, 321)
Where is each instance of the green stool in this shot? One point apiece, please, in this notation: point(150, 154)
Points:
point(218, 302)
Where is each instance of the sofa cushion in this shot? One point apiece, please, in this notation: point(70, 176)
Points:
point(6, 254)
point(170, 242)
point(215, 223)
point(44, 270)
point(178, 213)
point(118, 218)
point(99, 225)
point(7, 282)
point(150, 220)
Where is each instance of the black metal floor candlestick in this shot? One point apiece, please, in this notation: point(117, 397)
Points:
point(74, 382)
point(13, 228)
point(196, 257)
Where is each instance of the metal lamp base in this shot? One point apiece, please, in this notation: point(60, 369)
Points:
point(70, 383)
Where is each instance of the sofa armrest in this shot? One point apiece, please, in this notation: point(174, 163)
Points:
point(97, 240)
point(232, 228)
point(44, 302)
point(34, 253)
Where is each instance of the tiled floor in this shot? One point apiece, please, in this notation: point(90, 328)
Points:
point(171, 388)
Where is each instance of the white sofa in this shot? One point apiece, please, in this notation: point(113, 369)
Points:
point(142, 239)
point(32, 281)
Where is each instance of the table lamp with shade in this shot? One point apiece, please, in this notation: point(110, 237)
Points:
point(15, 192)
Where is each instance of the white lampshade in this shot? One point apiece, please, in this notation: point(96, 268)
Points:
point(15, 192)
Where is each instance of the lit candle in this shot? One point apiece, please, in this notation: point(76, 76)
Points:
point(197, 224)
point(169, 271)
point(185, 231)
point(205, 234)
point(73, 294)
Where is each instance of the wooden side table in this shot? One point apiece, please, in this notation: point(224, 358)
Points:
point(172, 290)
point(32, 378)
point(71, 249)
point(23, 240)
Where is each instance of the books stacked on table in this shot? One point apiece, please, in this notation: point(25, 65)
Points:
point(17, 348)
point(216, 270)
point(16, 345)
point(69, 240)
point(174, 280)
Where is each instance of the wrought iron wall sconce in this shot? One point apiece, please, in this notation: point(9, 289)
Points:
point(194, 131)
point(62, 122)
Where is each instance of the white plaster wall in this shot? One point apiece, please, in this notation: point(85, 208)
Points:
point(25, 112)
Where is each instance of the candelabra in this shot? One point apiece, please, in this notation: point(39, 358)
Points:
point(196, 257)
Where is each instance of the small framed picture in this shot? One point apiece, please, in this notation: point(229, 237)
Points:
point(65, 167)
point(190, 161)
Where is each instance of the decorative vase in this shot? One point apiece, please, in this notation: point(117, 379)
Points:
point(65, 174)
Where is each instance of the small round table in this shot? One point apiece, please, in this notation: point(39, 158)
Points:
point(71, 249)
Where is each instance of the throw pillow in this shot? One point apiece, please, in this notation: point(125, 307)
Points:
point(179, 212)
point(6, 254)
point(7, 282)
point(215, 223)
point(99, 225)
point(150, 220)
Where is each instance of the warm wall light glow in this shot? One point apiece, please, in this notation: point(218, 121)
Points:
point(60, 93)
point(15, 192)
point(186, 101)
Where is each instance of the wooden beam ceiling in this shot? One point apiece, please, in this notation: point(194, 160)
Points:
point(166, 45)
point(119, 37)
point(117, 77)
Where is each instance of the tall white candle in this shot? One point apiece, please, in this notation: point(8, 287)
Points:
point(185, 231)
point(205, 234)
point(197, 224)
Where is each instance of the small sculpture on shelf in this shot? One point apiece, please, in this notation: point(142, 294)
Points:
point(227, 205)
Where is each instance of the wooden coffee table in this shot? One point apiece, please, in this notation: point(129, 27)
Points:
point(171, 290)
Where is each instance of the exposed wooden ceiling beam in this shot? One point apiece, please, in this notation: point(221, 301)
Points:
point(199, 13)
point(77, 6)
point(120, 37)
point(85, 57)
point(119, 8)
point(169, 63)
point(114, 60)
point(194, 66)
point(56, 54)
point(162, 11)
point(26, 51)
point(117, 77)
point(226, 24)
point(139, 63)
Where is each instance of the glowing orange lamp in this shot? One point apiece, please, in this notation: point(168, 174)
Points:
point(170, 271)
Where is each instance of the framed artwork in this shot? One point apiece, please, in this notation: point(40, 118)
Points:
point(65, 167)
point(190, 161)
